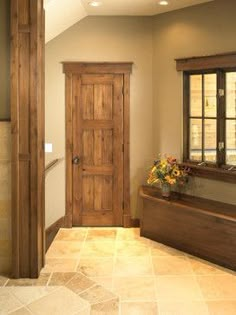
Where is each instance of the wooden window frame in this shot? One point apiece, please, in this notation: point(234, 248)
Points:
point(219, 64)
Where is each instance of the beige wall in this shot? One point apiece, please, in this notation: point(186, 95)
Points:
point(4, 60)
point(5, 197)
point(195, 31)
point(100, 39)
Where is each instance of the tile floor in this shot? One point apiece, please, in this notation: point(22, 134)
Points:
point(114, 271)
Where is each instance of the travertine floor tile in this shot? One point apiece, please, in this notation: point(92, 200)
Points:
point(21, 311)
point(64, 249)
point(41, 281)
point(85, 311)
point(71, 235)
point(171, 265)
point(218, 287)
point(60, 265)
point(27, 295)
point(96, 267)
point(133, 266)
point(106, 308)
point(97, 294)
point(222, 307)
point(3, 281)
point(183, 308)
point(139, 308)
point(132, 248)
point(135, 288)
point(8, 302)
point(128, 234)
point(203, 267)
point(60, 302)
point(105, 282)
point(177, 288)
point(61, 278)
point(158, 249)
point(101, 234)
point(79, 283)
point(98, 249)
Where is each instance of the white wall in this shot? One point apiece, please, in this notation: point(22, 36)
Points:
point(100, 39)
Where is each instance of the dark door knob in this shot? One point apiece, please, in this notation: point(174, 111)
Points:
point(76, 160)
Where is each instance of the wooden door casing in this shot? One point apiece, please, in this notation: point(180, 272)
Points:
point(97, 131)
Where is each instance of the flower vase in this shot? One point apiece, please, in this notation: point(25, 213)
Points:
point(165, 190)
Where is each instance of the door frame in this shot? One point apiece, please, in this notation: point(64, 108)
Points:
point(70, 68)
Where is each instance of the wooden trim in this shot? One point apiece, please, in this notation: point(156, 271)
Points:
point(5, 120)
point(226, 60)
point(27, 124)
point(52, 230)
point(70, 68)
point(135, 222)
point(213, 173)
point(97, 67)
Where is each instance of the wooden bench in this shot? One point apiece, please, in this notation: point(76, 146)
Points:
point(198, 226)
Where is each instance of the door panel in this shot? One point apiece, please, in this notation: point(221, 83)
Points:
point(98, 141)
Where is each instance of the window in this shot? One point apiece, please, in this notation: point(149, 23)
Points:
point(210, 117)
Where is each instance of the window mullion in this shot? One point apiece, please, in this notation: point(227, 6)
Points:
point(203, 119)
point(220, 118)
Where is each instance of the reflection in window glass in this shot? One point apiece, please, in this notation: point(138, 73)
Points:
point(210, 101)
point(231, 142)
point(196, 139)
point(231, 94)
point(210, 140)
point(196, 95)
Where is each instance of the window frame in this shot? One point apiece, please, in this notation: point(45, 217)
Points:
point(219, 64)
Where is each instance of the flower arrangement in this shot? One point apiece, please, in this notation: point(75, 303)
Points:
point(167, 171)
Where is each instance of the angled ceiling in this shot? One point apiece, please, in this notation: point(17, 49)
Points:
point(62, 14)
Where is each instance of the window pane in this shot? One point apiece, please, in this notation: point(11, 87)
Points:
point(231, 94)
point(196, 139)
point(231, 142)
point(210, 87)
point(210, 140)
point(196, 95)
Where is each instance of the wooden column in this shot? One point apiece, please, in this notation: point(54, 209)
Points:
point(27, 118)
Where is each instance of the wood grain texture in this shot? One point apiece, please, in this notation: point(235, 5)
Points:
point(98, 140)
point(27, 111)
point(198, 226)
point(52, 230)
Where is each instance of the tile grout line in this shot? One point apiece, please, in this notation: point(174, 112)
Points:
point(155, 280)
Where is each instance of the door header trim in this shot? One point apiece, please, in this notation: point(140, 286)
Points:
point(97, 67)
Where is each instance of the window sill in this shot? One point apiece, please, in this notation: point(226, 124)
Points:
point(211, 172)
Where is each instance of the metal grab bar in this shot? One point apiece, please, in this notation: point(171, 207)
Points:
point(52, 164)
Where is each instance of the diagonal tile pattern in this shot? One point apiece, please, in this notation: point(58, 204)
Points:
point(114, 271)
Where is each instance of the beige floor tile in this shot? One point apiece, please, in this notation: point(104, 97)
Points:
point(97, 294)
point(85, 311)
point(61, 278)
point(135, 288)
point(132, 248)
point(177, 288)
point(60, 265)
point(203, 267)
point(105, 282)
point(79, 283)
point(139, 308)
point(60, 302)
point(106, 308)
point(8, 302)
point(158, 249)
point(41, 281)
point(222, 307)
point(218, 287)
point(71, 235)
point(171, 265)
point(128, 234)
point(133, 266)
point(98, 249)
point(21, 311)
point(95, 267)
point(64, 249)
point(3, 281)
point(183, 308)
point(101, 234)
point(27, 295)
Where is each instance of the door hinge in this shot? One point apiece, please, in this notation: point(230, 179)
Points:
point(221, 92)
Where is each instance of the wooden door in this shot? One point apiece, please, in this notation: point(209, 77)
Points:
point(98, 150)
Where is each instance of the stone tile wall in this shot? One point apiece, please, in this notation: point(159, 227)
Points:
point(5, 197)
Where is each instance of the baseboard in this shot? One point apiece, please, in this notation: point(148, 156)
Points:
point(135, 222)
point(52, 230)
